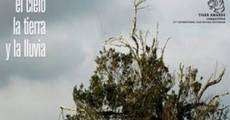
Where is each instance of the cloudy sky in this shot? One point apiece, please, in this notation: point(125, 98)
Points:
point(33, 89)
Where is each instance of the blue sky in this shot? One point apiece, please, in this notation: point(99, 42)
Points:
point(34, 89)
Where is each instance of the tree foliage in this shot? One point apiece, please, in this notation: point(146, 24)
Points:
point(132, 82)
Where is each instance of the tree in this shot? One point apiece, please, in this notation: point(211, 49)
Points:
point(132, 82)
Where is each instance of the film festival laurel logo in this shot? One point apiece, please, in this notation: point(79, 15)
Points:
point(217, 6)
point(213, 13)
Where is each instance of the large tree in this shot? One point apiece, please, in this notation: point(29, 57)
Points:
point(132, 82)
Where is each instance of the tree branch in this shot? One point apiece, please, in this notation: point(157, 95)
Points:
point(210, 83)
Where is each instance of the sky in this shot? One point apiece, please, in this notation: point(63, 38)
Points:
point(34, 89)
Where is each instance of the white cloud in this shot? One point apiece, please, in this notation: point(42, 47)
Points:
point(34, 100)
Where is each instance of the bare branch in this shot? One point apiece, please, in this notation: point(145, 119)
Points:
point(163, 50)
point(218, 96)
point(210, 83)
point(155, 37)
point(137, 6)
